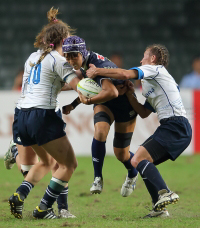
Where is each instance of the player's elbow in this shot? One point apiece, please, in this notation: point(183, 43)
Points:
point(142, 115)
point(114, 94)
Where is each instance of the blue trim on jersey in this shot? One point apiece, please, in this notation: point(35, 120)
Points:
point(148, 106)
point(156, 75)
point(178, 88)
point(140, 72)
point(165, 94)
point(29, 77)
point(54, 60)
point(64, 79)
point(159, 67)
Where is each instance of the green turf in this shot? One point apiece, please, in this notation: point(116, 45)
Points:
point(110, 209)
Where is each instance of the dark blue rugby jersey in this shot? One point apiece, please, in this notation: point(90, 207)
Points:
point(100, 62)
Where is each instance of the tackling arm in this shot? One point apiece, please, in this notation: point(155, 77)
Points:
point(73, 84)
point(116, 73)
point(142, 111)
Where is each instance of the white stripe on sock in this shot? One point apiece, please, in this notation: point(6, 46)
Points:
point(145, 167)
point(51, 194)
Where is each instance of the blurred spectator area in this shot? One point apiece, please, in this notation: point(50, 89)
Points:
point(126, 26)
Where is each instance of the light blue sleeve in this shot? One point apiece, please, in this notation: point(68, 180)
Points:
point(140, 72)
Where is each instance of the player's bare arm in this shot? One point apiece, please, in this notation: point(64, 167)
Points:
point(73, 84)
point(142, 111)
point(79, 74)
point(66, 87)
point(109, 92)
point(68, 108)
point(116, 73)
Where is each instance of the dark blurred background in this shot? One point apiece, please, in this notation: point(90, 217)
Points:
point(122, 26)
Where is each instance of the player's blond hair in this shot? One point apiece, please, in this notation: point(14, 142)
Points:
point(161, 53)
point(51, 34)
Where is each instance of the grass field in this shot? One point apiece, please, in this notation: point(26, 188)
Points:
point(110, 209)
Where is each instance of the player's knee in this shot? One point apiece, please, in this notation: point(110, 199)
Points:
point(122, 140)
point(25, 169)
point(102, 117)
point(134, 162)
point(100, 134)
point(103, 126)
point(72, 165)
point(120, 155)
point(49, 162)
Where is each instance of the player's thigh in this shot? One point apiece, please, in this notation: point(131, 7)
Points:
point(125, 127)
point(103, 118)
point(46, 158)
point(61, 150)
point(27, 155)
point(122, 139)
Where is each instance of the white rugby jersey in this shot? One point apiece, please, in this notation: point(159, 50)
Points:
point(45, 81)
point(27, 69)
point(161, 91)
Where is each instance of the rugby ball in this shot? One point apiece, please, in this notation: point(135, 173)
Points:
point(88, 87)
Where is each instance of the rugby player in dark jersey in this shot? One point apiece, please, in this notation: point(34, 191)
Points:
point(109, 107)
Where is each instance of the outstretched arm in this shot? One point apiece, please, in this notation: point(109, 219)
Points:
point(116, 73)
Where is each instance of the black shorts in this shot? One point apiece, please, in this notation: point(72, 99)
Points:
point(157, 152)
point(172, 137)
point(38, 126)
point(121, 109)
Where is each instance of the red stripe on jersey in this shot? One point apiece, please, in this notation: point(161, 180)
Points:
point(196, 126)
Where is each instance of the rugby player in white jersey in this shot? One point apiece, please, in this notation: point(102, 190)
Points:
point(174, 133)
point(40, 127)
point(25, 157)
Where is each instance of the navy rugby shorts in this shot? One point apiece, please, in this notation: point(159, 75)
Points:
point(121, 109)
point(15, 131)
point(38, 126)
point(172, 137)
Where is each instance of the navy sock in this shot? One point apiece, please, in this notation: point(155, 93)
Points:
point(24, 189)
point(62, 199)
point(52, 193)
point(98, 154)
point(148, 170)
point(151, 189)
point(49, 197)
point(132, 172)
